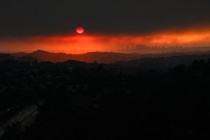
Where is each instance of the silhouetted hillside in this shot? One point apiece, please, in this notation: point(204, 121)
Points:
point(4, 57)
point(161, 62)
point(101, 57)
point(108, 57)
point(76, 100)
point(18, 57)
point(128, 63)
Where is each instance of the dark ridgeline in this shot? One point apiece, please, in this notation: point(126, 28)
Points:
point(138, 52)
point(77, 100)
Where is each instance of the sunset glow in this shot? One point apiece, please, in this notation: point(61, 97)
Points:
point(77, 44)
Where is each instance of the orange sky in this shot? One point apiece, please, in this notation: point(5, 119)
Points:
point(82, 43)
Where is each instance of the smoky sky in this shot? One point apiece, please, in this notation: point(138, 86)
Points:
point(55, 17)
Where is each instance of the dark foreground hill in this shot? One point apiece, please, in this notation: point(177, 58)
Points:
point(76, 100)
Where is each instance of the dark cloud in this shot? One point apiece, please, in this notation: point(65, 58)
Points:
point(46, 17)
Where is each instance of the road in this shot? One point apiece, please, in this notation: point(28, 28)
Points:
point(25, 118)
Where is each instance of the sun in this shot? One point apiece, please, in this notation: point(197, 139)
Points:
point(80, 30)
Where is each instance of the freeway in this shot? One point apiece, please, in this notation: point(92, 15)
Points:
point(24, 118)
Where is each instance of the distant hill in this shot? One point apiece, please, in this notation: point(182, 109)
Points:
point(104, 57)
point(110, 57)
point(101, 57)
point(129, 63)
point(17, 57)
point(162, 63)
point(4, 57)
